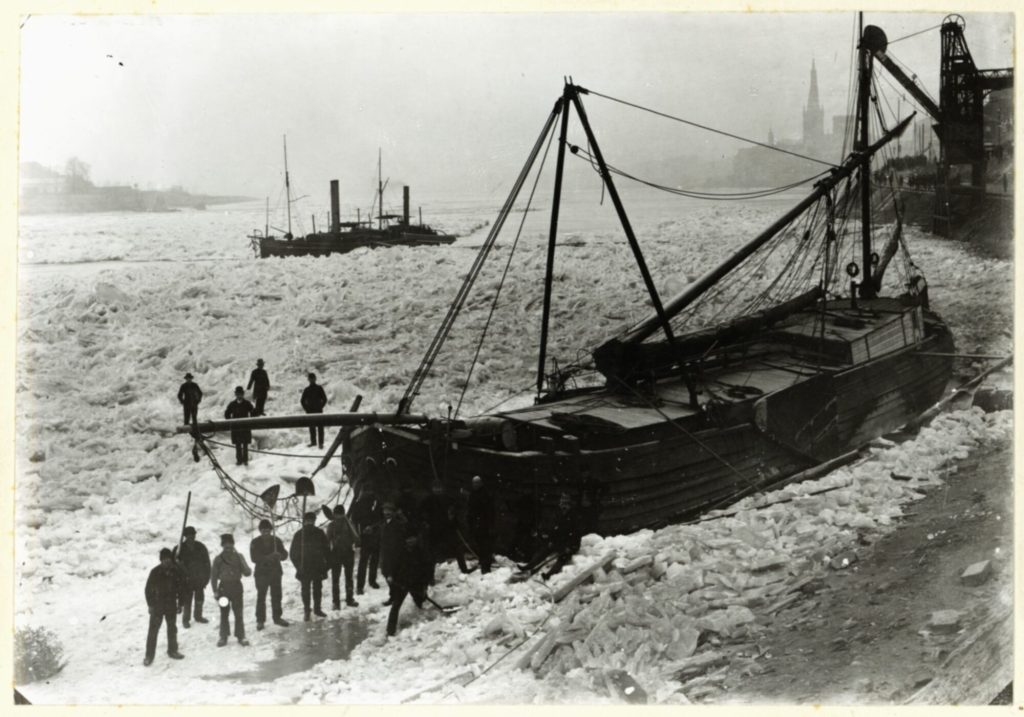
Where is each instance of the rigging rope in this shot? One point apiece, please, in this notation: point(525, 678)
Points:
point(504, 275)
point(694, 194)
point(456, 306)
point(711, 129)
point(913, 34)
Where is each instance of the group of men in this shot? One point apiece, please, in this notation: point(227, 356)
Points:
point(313, 400)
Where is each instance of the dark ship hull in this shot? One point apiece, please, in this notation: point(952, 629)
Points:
point(792, 402)
point(326, 243)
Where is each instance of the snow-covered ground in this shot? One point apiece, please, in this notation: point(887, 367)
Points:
point(102, 481)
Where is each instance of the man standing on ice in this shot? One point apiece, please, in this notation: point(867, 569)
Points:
point(241, 437)
point(480, 518)
point(164, 591)
point(410, 575)
point(309, 554)
point(195, 560)
point(189, 396)
point(313, 401)
point(342, 538)
point(267, 551)
point(226, 581)
point(259, 383)
point(367, 517)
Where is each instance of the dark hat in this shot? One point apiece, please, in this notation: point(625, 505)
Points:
point(266, 524)
point(166, 553)
point(239, 391)
point(227, 539)
point(189, 530)
point(259, 362)
point(309, 517)
point(188, 376)
point(340, 509)
point(311, 375)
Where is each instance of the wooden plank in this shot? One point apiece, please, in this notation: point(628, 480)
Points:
point(561, 593)
point(978, 669)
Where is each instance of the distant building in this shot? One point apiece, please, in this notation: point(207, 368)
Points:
point(759, 166)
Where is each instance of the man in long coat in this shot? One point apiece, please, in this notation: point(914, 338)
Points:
point(310, 554)
point(443, 533)
point(342, 538)
point(241, 437)
point(266, 552)
point(313, 401)
point(189, 396)
point(195, 561)
point(259, 383)
point(164, 590)
point(410, 573)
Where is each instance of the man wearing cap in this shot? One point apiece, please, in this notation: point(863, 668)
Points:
point(309, 553)
point(480, 517)
point(313, 401)
point(194, 559)
point(241, 437)
point(267, 551)
point(164, 590)
point(341, 537)
point(226, 581)
point(259, 382)
point(189, 396)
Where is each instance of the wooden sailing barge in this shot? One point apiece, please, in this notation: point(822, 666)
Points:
point(343, 237)
point(688, 413)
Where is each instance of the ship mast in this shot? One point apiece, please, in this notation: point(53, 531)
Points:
point(865, 56)
point(287, 187)
point(380, 194)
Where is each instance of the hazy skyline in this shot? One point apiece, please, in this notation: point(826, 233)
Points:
point(453, 100)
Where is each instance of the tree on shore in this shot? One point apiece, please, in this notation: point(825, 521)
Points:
point(76, 173)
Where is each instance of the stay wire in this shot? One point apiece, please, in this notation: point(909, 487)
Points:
point(914, 34)
point(504, 274)
point(710, 129)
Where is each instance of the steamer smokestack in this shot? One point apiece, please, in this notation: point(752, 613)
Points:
point(335, 208)
point(405, 205)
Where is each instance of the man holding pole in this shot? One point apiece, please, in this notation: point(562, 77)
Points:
point(341, 536)
point(195, 561)
point(267, 551)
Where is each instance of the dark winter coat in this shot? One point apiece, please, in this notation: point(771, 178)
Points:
point(195, 560)
point(564, 533)
point(480, 511)
point(240, 409)
point(366, 515)
point(313, 398)
point(228, 569)
point(266, 553)
point(311, 540)
point(442, 526)
point(413, 567)
point(260, 380)
point(165, 588)
point(392, 539)
point(341, 539)
point(190, 394)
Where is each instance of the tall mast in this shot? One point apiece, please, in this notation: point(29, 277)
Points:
point(563, 107)
point(287, 188)
point(266, 219)
point(380, 194)
point(867, 284)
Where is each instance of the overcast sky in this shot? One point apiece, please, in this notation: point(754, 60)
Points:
point(454, 100)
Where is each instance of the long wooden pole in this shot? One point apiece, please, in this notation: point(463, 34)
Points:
point(867, 284)
point(184, 524)
point(549, 272)
point(306, 420)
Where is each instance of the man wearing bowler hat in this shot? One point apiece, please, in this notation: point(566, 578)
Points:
point(164, 590)
point(241, 437)
point(189, 396)
point(267, 551)
point(259, 382)
point(313, 401)
point(226, 581)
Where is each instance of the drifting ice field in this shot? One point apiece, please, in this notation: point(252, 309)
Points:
point(114, 309)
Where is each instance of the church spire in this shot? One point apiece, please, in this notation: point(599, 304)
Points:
point(813, 102)
point(814, 114)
